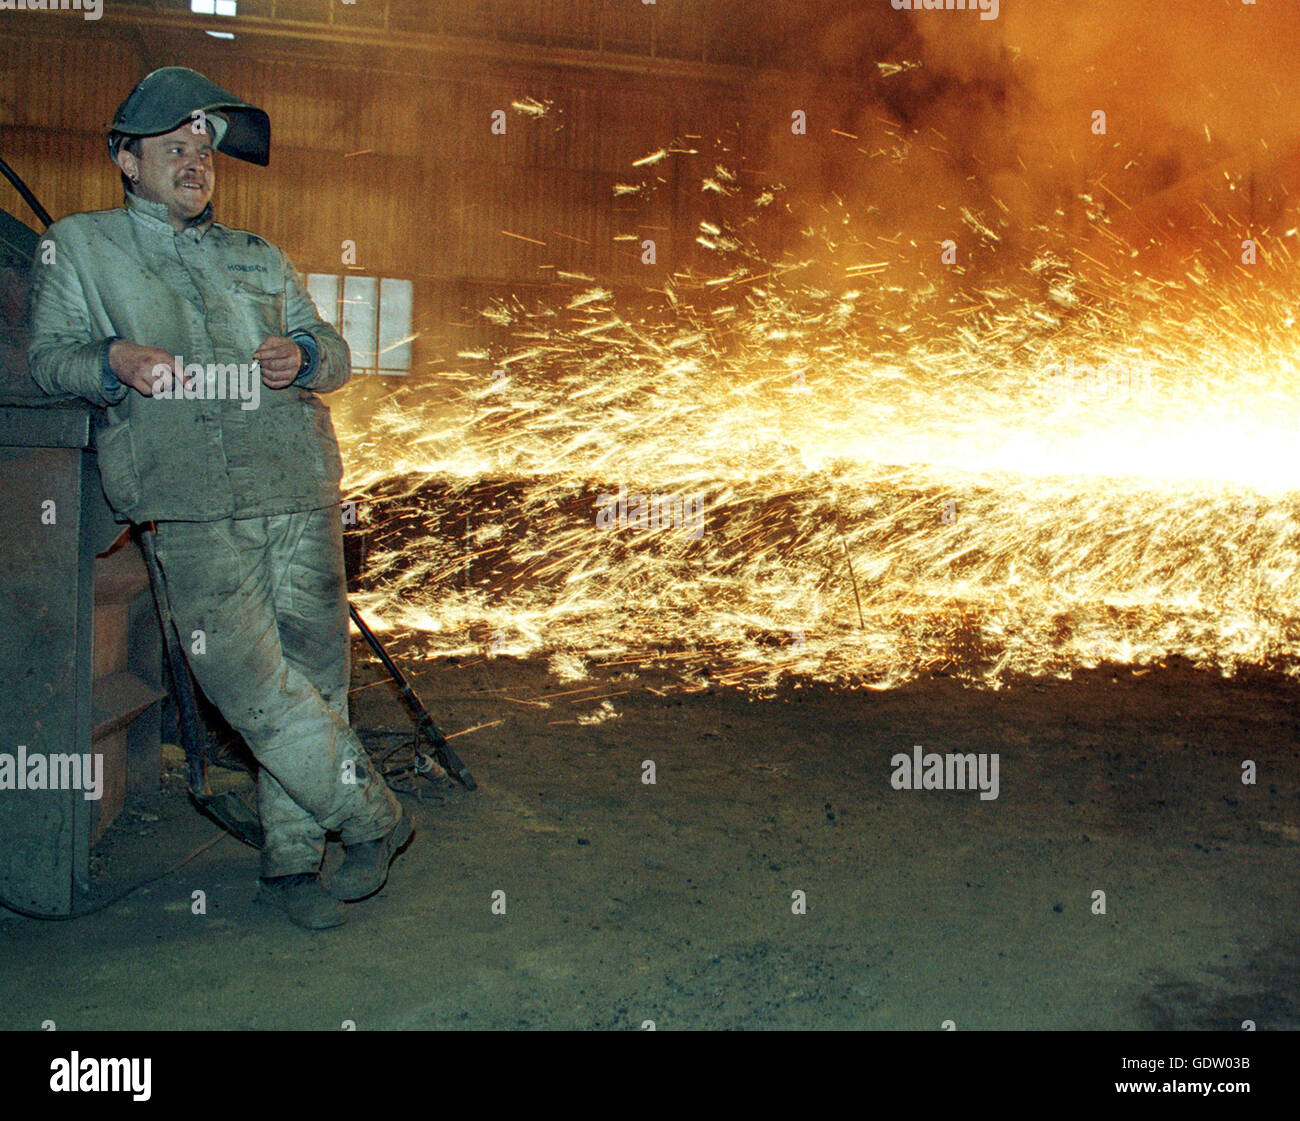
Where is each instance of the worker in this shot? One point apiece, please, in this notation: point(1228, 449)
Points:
point(208, 356)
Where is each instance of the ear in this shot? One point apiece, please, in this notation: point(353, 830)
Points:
point(128, 164)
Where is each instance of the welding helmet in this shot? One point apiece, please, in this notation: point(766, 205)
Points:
point(169, 97)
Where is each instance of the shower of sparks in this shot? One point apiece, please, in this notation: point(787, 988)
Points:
point(889, 479)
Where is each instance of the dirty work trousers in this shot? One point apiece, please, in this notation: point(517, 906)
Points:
point(261, 607)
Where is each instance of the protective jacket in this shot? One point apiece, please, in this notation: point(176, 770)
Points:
point(209, 295)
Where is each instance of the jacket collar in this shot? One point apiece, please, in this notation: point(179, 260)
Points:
point(155, 214)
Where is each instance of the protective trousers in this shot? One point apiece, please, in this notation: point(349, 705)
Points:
point(261, 607)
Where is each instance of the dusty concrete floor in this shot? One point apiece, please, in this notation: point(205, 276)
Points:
point(671, 902)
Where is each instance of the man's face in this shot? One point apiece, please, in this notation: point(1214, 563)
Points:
point(175, 170)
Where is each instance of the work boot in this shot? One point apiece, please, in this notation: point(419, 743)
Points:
point(304, 899)
point(365, 866)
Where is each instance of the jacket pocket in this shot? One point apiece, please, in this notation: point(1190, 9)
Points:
point(117, 469)
point(260, 313)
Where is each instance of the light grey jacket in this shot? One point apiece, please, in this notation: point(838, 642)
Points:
point(210, 295)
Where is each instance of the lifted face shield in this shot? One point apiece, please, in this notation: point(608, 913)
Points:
point(169, 97)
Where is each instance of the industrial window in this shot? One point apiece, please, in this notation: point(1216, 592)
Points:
point(213, 7)
point(373, 313)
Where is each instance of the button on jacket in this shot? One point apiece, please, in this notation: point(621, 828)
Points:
point(209, 295)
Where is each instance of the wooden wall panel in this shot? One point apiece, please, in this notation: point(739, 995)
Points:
point(406, 165)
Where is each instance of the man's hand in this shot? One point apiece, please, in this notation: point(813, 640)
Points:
point(280, 359)
point(134, 366)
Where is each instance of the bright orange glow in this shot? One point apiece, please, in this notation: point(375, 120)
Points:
point(1000, 517)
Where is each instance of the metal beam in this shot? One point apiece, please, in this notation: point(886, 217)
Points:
point(405, 52)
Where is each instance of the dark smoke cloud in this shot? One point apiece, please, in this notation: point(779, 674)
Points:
point(997, 117)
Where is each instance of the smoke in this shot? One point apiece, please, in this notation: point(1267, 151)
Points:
point(1001, 116)
point(1164, 69)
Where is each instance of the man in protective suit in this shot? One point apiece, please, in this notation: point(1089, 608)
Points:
point(208, 355)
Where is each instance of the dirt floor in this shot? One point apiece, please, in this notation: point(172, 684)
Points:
point(628, 902)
